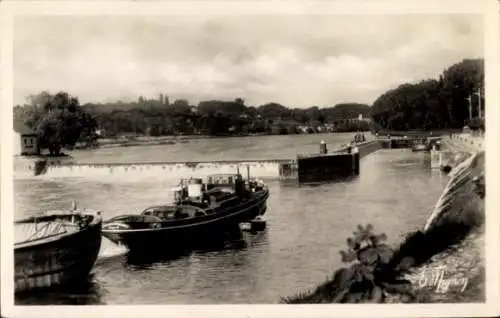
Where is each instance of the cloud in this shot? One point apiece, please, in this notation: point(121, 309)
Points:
point(295, 60)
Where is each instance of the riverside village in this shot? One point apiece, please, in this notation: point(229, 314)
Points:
point(268, 171)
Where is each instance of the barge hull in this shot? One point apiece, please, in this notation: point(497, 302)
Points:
point(67, 260)
point(185, 236)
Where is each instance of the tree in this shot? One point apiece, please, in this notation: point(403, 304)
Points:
point(274, 110)
point(39, 100)
point(60, 122)
point(431, 104)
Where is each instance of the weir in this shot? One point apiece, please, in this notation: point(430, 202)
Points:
point(287, 169)
point(267, 169)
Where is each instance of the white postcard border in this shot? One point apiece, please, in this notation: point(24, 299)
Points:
point(489, 8)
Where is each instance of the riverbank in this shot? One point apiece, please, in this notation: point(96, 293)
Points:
point(135, 141)
point(144, 141)
point(443, 263)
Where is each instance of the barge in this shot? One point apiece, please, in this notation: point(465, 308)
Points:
point(200, 212)
point(56, 249)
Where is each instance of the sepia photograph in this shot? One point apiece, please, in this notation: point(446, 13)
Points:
point(218, 158)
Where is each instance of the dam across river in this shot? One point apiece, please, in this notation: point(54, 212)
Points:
point(260, 168)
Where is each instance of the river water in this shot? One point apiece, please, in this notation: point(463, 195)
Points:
point(307, 226)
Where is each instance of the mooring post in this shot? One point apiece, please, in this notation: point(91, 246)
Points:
point(436, 158)
point(322, 147)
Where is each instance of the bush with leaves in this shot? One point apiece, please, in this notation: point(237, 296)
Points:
point(369, 278)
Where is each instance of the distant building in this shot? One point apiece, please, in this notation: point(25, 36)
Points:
point(28, 143)
point(360, 118)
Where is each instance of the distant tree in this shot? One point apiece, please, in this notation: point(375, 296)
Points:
point(60, 121)
point(39, 100)
point(239, 101)
point(274, 110)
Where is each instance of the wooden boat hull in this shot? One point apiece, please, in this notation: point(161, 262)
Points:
point(182, 236)
point(62, 260)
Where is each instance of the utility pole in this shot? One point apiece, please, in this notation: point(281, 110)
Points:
point(480, 111)
point(469, 99)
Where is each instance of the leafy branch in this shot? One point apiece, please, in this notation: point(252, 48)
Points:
point(370, 277)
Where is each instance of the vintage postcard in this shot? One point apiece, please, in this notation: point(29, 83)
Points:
point(249, 158)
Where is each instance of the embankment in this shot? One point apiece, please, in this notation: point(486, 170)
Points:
point(457, 147)
point(443, 262)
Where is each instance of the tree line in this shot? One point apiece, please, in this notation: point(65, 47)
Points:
point(60, 119)
point(432, 104)
point(218, 118)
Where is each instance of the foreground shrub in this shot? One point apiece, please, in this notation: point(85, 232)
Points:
point(367, 279)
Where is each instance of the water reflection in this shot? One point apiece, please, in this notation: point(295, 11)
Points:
point(88, 292)
point(228, 256)
point(236, 240)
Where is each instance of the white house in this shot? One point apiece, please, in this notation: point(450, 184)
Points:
point(25, 141)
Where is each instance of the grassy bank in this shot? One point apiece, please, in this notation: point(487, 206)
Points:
point(448, 253)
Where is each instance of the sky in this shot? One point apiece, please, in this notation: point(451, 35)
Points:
point(298, 61)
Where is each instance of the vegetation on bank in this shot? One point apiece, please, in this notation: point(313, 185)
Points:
point(61, 121)
point(223, 118)
point(376, 272)
point(431, 104)
point(211, 118)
